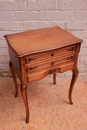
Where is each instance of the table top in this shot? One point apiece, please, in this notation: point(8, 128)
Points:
point(40, 40)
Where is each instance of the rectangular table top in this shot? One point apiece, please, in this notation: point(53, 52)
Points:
point(33, 41)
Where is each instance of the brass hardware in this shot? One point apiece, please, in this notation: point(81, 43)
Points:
point(72, 49)
point(71, 58)
point(52, 71)
point(29, 59)
point(30, 68)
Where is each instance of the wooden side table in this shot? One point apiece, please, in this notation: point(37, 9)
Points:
point(37, 53)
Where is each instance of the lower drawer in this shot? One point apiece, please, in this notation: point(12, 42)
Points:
point(59, 69)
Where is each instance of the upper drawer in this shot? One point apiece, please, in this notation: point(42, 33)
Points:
point(31, 68)
point(49, 54)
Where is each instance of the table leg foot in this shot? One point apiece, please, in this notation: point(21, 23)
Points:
point(54, 78)
point(74, 77)
point(24, 95)
point(14, 78)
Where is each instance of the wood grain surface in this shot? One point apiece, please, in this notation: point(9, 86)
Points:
point(39, 40)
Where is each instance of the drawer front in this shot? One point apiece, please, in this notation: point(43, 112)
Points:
point(40, 65)
point(49, 54)
point(50, 63)
point(56, 69)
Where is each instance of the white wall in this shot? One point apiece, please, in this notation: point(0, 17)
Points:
point(19, 15)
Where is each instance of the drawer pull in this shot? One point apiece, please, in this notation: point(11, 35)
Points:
point(71, 58)
point(29, 59)
point(72, 49)
point(52, 71)
point(30, 68)
point(52, 54)
point(52, 63)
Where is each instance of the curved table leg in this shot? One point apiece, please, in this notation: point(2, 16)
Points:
point(74, 77)
point(54, 78)
point(24, 95)
point(14, 78)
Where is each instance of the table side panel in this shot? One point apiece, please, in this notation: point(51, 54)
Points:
point(15, 62)
point(77, 54)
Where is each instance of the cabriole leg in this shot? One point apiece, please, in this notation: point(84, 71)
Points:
point(54, 78)
point(74, 77)
point(14, 78)
point(24, 95)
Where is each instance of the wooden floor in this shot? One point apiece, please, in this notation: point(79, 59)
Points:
point(49, 105)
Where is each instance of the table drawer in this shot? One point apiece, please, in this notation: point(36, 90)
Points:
point(56, 69)
point(32, 68)
point(49, 54)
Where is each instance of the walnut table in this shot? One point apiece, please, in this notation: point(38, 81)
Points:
point(37, 53)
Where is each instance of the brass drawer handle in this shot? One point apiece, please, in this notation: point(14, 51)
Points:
point(71, 58)
point(29, 59)
point(72, 49)
point(52, 71)
point(28, 69)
